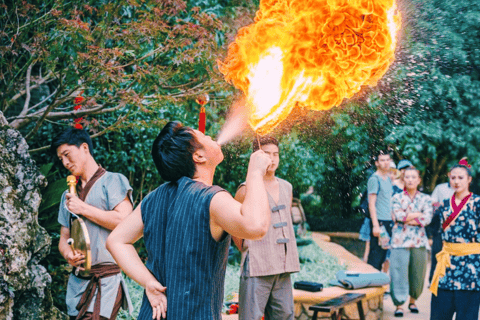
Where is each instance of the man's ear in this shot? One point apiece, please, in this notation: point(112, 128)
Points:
point(199, 156)
point(85, 147)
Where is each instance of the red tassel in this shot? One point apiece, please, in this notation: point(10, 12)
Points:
point(202, 119)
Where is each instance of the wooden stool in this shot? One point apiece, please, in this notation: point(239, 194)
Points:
point(337, 304)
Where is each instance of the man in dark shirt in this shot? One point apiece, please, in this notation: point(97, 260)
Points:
point(186, 224)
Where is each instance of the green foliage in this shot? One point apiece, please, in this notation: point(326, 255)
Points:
point(442, 88)
point(128, 56)
point(343, 141)
point(136, 294)
point(317, 265)
point(140, 64)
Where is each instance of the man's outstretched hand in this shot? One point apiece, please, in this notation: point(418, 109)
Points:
point(157, 298)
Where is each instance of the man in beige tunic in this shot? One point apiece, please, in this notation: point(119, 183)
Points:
point(265, 285)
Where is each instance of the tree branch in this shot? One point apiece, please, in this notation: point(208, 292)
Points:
point(140, 59)
point(38, 19)
point(80, 113)
point(44, 116)
point(22, 120)
point(22, 92)
point(41, 102)
point(96, 135)
point(27, 90)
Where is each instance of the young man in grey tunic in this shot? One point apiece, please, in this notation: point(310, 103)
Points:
point(104, 199)
point(265, 285)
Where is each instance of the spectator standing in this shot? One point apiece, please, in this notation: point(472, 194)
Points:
point(456, 281)
point(398, 183)
point(409, 244)
point(265, 284)
point(379, 197)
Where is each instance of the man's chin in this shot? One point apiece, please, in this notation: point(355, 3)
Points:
point(220, 159)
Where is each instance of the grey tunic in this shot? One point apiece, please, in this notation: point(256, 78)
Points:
point(107, 192)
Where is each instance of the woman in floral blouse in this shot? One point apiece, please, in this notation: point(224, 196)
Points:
point(409, 244)
point(456, 281)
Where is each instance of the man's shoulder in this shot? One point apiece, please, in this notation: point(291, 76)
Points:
point(373, 181)
point(114, 175)
point(285, 183)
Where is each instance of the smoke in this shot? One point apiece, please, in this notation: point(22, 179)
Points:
point(236, 123)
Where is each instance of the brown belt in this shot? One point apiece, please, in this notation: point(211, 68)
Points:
point(98, 272)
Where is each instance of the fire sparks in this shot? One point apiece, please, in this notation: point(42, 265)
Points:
point(312, 53)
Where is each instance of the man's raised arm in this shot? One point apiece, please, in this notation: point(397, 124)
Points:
point(247, 220)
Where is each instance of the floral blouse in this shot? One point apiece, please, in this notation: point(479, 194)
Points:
point(407, 236)
point(464, 273)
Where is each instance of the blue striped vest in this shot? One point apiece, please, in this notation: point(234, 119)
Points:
point(182, 254)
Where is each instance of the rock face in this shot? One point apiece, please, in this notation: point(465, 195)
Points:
point(24, 283)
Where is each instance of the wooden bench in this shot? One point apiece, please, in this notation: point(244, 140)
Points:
point(337, 304)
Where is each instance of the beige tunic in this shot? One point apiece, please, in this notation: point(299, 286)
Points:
point(276, 252)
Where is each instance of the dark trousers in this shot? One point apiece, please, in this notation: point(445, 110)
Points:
point(464, 303)
point(377, 255)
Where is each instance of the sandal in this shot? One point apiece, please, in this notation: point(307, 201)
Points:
point(413, 308)
point(398, 313)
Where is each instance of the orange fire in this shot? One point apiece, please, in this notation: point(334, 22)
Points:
point(312, 53)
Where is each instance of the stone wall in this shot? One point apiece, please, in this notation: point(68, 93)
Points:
point(24, 283)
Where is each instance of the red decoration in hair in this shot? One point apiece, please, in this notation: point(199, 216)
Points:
point(464, 162)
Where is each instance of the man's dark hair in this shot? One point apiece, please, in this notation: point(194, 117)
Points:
point(263, 142)
point(172, 151)
point(379, 153)
point(73, 137)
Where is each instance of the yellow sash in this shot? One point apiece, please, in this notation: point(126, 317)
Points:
point(443, 259)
